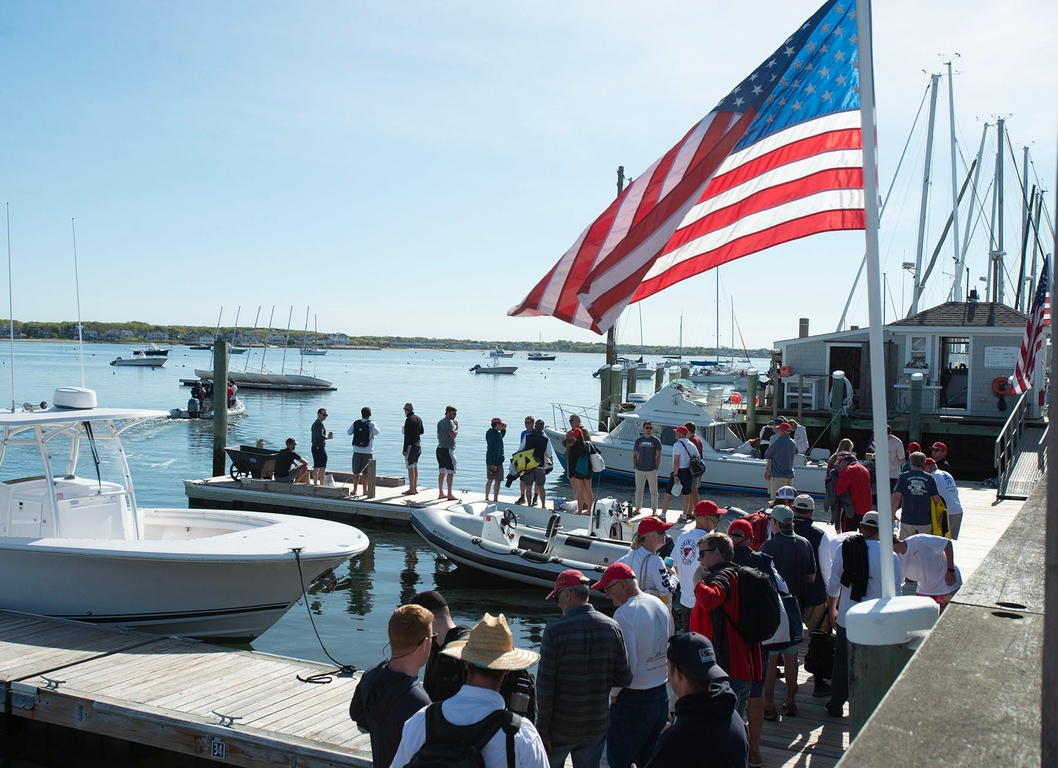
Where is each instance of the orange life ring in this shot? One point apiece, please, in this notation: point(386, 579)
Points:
point(736, 397)
point(1001, 386)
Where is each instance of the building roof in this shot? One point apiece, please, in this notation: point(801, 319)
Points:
point(969, 314)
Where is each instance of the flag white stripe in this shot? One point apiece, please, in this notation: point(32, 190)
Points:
point(688, 151)
point(838, 121)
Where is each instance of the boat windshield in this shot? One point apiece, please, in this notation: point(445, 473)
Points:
point(70, 450)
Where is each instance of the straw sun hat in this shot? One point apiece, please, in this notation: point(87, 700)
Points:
point(490, 645)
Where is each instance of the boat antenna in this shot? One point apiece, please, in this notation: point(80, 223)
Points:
point(77, 286)
point(216, 335)
point(264, 349)
point(286, 341)
point(246, 367)
point(10, 306)
point(304, 338)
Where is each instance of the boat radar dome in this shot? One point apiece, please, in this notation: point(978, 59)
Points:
point(74, 398)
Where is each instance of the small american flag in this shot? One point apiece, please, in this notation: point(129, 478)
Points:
point(779, 158)
point(1039, 318)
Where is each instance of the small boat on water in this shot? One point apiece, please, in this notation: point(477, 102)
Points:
point(202, 347)
point(196, 411)
point(238, 350)
point(75, 544)
point(642, 371)
point(529, 545)
point(140, 359)
point(495, 369)
point(729, 462)
point(499, 352)
point(313, 351)
point(152, 350)
point(269, 380)
point(539, 356)
point(716, 374)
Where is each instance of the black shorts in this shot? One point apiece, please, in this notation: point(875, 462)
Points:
point(446, 461)
point(414, 452)
point(319, 457)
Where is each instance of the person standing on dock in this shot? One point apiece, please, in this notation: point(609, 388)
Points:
point(896, 458)
point(447, 429)
point(363, 431)
point(412, 430)
point(319, 447)
point(855, 479)
point(494, 457)
point(586, 500)
point(692, 435)
point(646, 458)
point(390, 693)
point(530, 423)
point(582, 656)
point(652, 574)
point(949, 491)
point(780, 456)
point(914, 491)
point(541, 447)
point(685, 555)
point(489, 655)
point(939, 452)
point(929, 561)
point(640, 710)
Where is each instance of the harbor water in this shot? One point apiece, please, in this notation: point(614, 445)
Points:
point(352, 620)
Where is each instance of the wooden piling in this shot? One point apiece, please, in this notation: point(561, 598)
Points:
point(751, 403)
point(630, 387)
point(914, 425)
point(604, 399)
point(369, 479)
point(220, 405)
point(659, 378)
point(615, 394)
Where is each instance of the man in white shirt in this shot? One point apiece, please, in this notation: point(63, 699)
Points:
point(896, 458)
point(840, 598)
point(930, 561)
point(685, 555)
point(639, 711)
point(489, 654)
point(949, 491)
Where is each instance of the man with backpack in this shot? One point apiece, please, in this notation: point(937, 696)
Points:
point(472, 728)
point(363, 431)
point(390, 693)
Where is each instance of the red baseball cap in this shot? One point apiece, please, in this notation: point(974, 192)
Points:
point(939, 447)
point(682, 430)
point(567, 579)
point(742, 526)
point(913, 447)
point(651, 524)
point(930, 463)
point(704, 508)
point(616, 572)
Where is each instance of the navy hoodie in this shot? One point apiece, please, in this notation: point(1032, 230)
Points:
point(708, 733)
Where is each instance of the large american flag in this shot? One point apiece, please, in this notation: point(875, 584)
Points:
point(779, 158)
point(1039, 318)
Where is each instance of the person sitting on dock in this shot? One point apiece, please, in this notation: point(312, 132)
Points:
point(390, 693)
point(363, 431)
point(290, 467)
point(489, 656)
point(447, 430)
point(494, 457)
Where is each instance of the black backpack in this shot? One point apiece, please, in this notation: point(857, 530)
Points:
point(361, 434)
point(460, 746)
point(758, 605)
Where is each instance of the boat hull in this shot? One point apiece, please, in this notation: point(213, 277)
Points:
point(239, 409)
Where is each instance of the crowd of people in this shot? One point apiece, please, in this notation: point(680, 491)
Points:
point(695, 649)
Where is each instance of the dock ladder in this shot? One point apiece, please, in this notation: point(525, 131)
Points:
point(1020, 454)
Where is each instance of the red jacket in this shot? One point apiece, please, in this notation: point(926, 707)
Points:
point(719, 592)
point(856, 479)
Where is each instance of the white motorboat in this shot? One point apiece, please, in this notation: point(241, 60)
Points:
point(642, 371)
point(729, 462)
point(528, 545)
point(716, 374)
point(195, 410)
point(495, 369)
point(499, 352)
point(540, 357)
point(313, 351)
point(140, 359)
point(78, 546)
point(238, 350)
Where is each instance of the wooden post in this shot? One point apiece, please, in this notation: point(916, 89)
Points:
point(914, 425)
point(659, 378)
point(685, 371)
point(220, 405)
point(751, 403)
point(800, 396)
point(674, 373)
point(615, 395)
point(837, 395)
point(369, 479)
point(604, 398)
point(630, 386)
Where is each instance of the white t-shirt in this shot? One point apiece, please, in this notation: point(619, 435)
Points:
point(874, 584)
point(685, 450)
point(925, 563)
point(948, 490)
point(896, 456)
point(800, 438)
point(646, 624)
point(651, 573)
point(685, 555)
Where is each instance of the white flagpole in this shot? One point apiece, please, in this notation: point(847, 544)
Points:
point(874, 292)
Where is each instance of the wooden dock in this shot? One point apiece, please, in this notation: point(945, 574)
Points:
point(250, 709)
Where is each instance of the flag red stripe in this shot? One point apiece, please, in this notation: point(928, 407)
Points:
point(822, 221)
point(795, 189)
point(784, 155)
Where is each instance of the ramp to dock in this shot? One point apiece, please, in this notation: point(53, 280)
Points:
point(1025, 467)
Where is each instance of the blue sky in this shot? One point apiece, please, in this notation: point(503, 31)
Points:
point(413, 168)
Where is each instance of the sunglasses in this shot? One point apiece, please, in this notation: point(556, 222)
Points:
point(606, 589)
point(701, 552)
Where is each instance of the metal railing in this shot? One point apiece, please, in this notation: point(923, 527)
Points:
point(1007, 442)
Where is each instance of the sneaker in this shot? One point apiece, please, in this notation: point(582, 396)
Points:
point(521, 500)
point(821, 689)
point(835, 710)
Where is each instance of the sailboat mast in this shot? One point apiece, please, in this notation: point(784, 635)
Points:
point(304, 338)
point(999, 253)
point(954, 187)
point(934, 81)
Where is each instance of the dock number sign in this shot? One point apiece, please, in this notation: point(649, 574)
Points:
point(216, 748)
